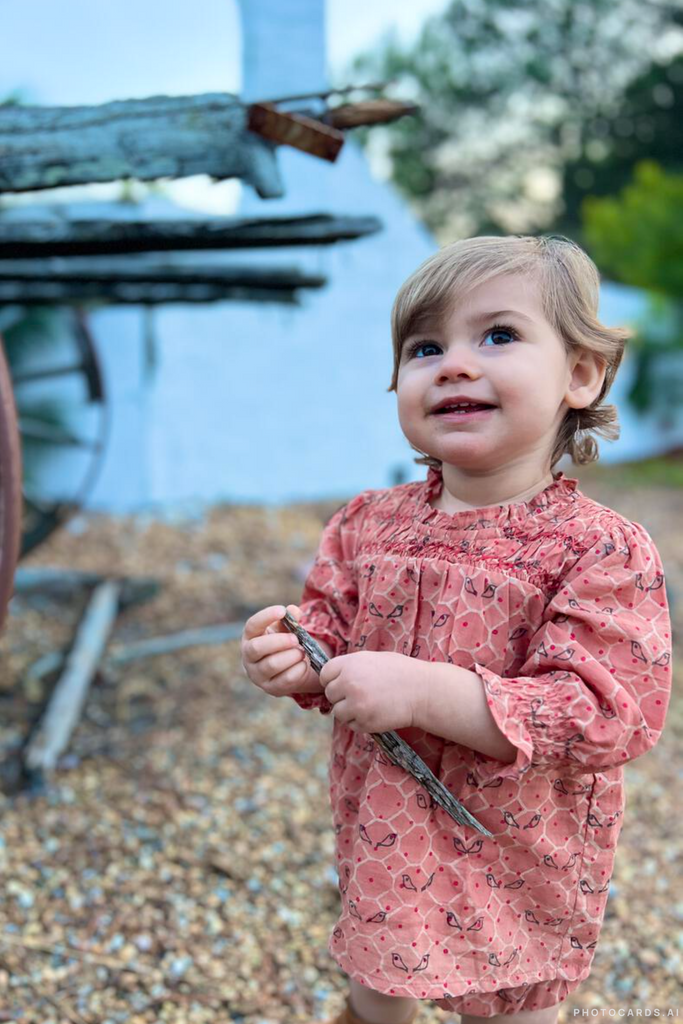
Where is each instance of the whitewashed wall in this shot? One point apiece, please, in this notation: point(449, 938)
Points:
point(246, 402)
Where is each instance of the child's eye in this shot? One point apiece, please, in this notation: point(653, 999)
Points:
point(417, 346)
point(501, 331)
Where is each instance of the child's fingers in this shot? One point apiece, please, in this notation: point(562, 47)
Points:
point(273, 667)
point(259, 622)
point(267, 645)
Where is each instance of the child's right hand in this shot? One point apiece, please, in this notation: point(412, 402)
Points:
point(272, 656)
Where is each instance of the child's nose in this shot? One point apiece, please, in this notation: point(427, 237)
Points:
point(459, 361)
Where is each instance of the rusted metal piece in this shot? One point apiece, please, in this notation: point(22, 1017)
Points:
point(394, 746)
point(10, 487)
point(297, 130)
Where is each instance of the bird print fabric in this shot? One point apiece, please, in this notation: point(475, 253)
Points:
point(559, 605)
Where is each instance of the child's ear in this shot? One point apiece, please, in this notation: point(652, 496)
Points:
point(586, 378)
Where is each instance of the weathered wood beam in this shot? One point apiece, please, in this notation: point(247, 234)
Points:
point(150, 138)
point(123, 281)
point(34, 238)
point(68, 698)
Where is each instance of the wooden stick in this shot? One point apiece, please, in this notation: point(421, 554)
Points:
point(152, 646)
point(68, 698)
point(134, 589)
point(394, 746)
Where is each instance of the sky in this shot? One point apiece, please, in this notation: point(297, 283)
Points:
point(91, 51)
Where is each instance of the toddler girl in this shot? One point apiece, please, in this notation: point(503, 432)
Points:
point(513, 631)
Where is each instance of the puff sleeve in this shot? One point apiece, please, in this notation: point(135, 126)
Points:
point(329, 601)
point(595, 686)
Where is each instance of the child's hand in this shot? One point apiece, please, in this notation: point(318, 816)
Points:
point(373, 691)
point(272, 657)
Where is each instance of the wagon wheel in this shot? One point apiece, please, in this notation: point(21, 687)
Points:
point(10, 487)
point(62, 412)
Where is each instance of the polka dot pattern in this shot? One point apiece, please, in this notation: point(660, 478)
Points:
point(559, 605)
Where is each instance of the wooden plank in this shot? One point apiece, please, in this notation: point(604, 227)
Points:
point(121, 280)
point(68, 698)
point(150, 138)
point(35, 238)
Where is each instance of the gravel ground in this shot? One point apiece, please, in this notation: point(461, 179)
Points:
point(178, 864)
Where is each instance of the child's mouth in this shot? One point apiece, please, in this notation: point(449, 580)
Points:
point(468, 412)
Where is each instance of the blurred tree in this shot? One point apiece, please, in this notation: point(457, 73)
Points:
point(647, 124)
point(508, 90)
point(637, 237)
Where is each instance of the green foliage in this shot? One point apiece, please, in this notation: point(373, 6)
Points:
point(511, 88)
point(637, 237)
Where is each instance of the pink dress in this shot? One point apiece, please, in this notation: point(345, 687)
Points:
point(559, 605)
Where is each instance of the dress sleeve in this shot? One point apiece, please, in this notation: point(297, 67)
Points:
point(595, 686)
point(329, 601)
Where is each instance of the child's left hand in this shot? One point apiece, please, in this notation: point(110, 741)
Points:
point(373, 691)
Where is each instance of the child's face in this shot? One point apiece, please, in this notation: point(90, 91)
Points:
point(521, 368)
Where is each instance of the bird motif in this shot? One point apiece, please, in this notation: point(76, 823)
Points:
point(510, 819)
point(585, 887)
point(533, 822)
point(534, 707)
point(518, 632)
point(361, 642)
point(351, 804)
point(494, 961)
point(513, 955)
point(337, 932)
point(374, 610)
point(549, 861)
point(593, 821)
point(565, 655)
point(353, 910)
point(422, 966)
point(368, 574)
point(517, 884)
point(489, 590)
point(607, 710)
point(469, 586)
point(531, 917)
point(442, 619)
point(396, 612)
point(638, 652)
point(477, 926)
point(493, 783)
point(662, 659)
point(474, 847)
point(415, 653)
point(407, 883)
point(571, 862)
point(377, 918)
point(428, 882)
point(398, 962)
point(491, 881)
point(575, 942)
point(452, 921)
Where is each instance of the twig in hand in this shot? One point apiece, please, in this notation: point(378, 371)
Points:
point(394, 746)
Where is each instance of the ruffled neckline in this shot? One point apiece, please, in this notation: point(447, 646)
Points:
point(558, 492)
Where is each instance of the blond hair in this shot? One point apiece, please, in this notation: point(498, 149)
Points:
point(570, 286)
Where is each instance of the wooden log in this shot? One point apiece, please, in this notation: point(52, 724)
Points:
point(123, 281)
point(36, 238)
point(55, 581)
point(200, 637)
point(150, 138)
point(64, 709)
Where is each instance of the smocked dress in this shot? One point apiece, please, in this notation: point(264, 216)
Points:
point(559, 605)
